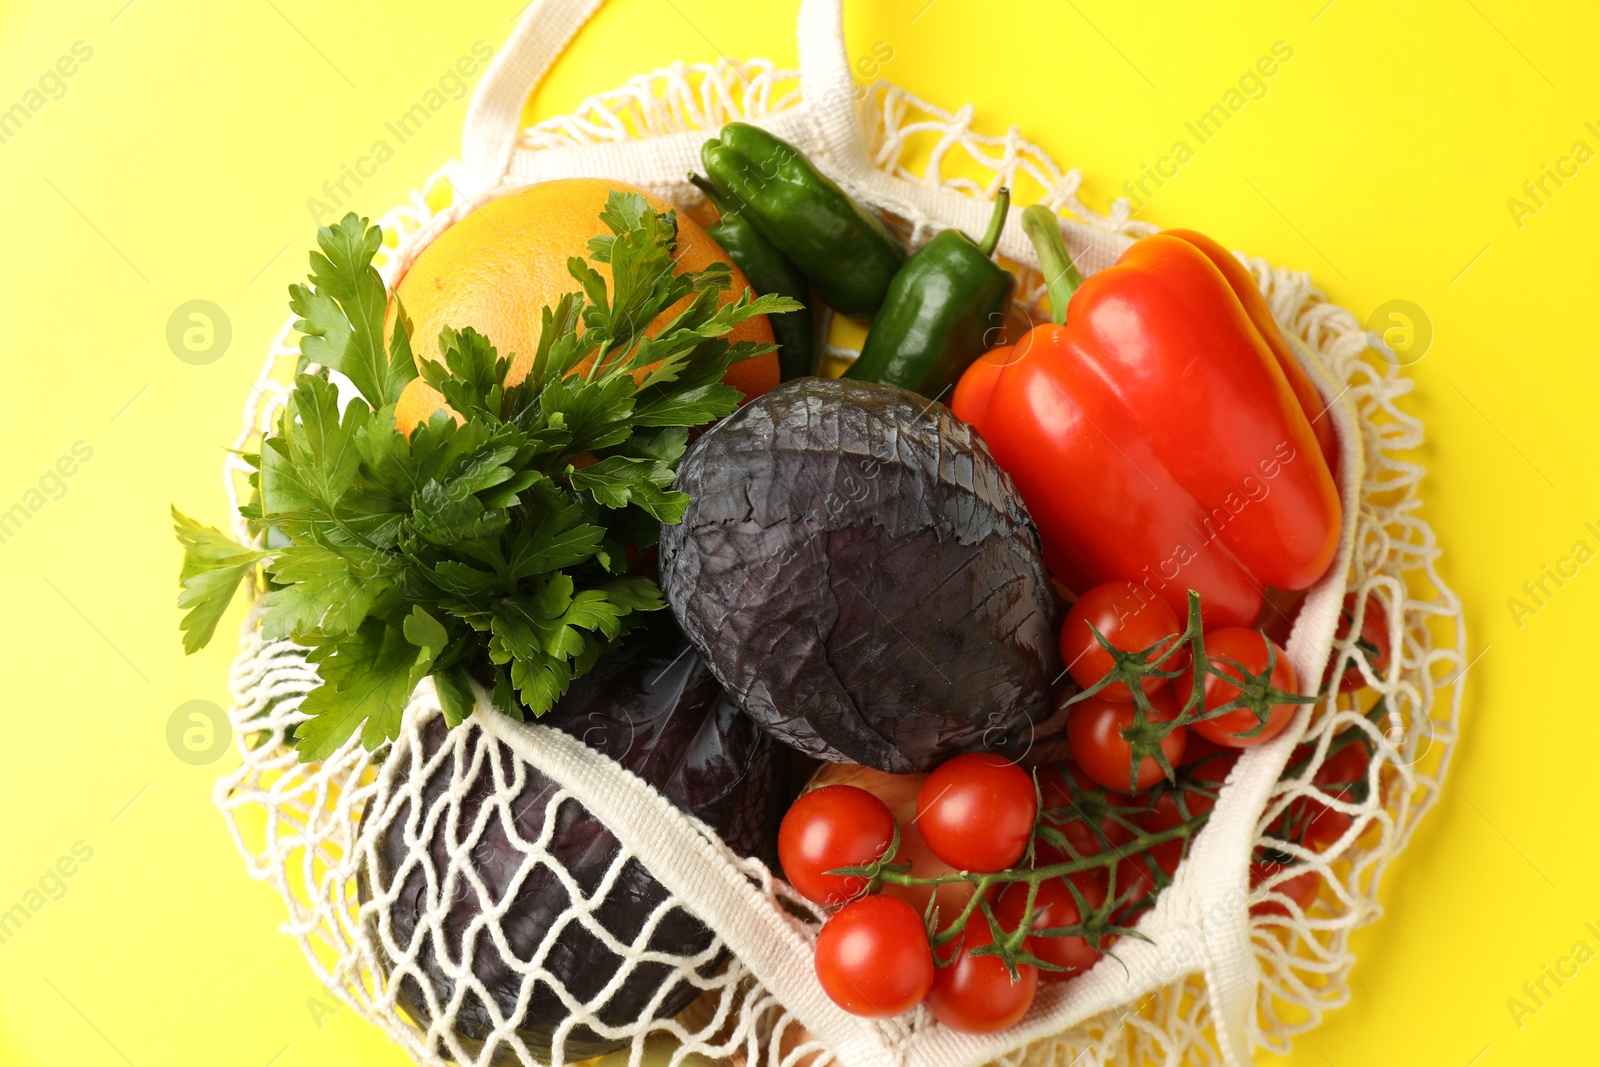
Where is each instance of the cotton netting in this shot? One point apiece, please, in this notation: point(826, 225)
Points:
point(309, 830)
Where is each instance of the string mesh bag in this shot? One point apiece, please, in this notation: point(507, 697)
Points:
point(724, 948)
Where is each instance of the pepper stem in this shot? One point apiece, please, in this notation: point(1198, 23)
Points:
point(705, 186)
point(997, 222)
point(1061, 278)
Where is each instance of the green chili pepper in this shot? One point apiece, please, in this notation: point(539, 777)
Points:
point(944, 310)
point(848, 252)
point(768, 271)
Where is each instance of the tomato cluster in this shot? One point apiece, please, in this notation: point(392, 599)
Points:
point(977, 814)
point(1128, 741)
point(1046, 867)
point(1124, 741)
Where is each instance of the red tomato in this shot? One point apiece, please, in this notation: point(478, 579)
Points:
point(1314, 824)
point(1063, 786)
point(1311, 824)
point(1094, 737)
point(873, 957)
point(1056, 907)
point(1373, 644)
point(1208, 765)
point(1211, 775)
point(1324, 826)
point(1345, 771)
point(828, 828)
point(899, 792)
point(1239, 727)
point(1200, 750)
point(1132, 619)
point(976, 812)
point(975, 994)
point(1302, 889)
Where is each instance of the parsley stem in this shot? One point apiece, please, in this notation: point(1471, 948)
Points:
point(599, 358)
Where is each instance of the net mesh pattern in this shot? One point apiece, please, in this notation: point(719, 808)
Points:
point(315, 831)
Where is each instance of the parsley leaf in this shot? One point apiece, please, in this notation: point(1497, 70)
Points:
point(617, 481)
point(213, 565)
point(366, 677)
point(322, 591)
point(342, 311)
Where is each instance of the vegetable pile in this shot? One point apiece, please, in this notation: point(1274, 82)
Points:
point(1028, 634)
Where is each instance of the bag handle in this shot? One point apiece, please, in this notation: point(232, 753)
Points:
point(697, 868)
point(489, 154)
point(494, 118)
point(830, 95)
point(827, 120)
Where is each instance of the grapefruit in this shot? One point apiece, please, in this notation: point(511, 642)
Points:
point(497, 267)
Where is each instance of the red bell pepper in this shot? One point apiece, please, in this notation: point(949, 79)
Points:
point(1160, 430)
point(1255, 305)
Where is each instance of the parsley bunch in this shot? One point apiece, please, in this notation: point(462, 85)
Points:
point(490, 545)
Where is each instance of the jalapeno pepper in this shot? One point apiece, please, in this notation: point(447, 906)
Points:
point(848, 252)
point(944, 309)
point(768, 271)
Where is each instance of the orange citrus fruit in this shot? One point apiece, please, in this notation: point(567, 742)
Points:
point(496, 268)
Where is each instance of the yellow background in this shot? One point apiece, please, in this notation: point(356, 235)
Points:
point(177, 166)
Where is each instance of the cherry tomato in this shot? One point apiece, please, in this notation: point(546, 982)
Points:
point(1064, 787)
point(899, 792)
point(1324, 826)
point(975, 994)
point(1131, 622)
point(1344, 772)
point(873, 957)
point(828, 828)
point(1200, 750)
point(976, 812)
point(1208, 765)
point(1238, 728)
point(1373, 644)
point(1056, 907)
point(1302, 889)
point(1210, 776)
point(1312, 823)
point(1094, 737)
